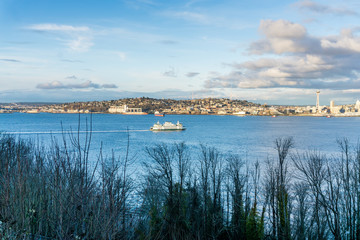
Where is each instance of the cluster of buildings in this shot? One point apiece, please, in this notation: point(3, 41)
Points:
point(205, 106)
point(126, 110)
point(333, 110)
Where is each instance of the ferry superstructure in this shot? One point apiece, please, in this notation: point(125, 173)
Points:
point(167, 126)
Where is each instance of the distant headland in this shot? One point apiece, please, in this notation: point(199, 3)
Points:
point(204, 106)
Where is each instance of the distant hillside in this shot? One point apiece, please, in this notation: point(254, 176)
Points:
point(152, 104)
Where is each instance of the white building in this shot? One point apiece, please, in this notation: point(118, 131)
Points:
point(118, 109)
point(124, 110)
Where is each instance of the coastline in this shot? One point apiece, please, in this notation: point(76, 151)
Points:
point(206, 106)
point(200, 114)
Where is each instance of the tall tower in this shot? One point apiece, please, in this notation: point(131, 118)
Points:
point(317, 101)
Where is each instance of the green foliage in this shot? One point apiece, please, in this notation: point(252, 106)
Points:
point(155, 223)
point(238, 219)
point(284, 217)
point(254, 225)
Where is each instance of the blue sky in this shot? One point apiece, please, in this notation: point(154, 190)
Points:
point(278, 52)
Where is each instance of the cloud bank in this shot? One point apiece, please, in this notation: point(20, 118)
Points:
point(296, 59)
point(85, 85)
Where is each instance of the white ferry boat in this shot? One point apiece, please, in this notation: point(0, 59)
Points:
point(167, 126)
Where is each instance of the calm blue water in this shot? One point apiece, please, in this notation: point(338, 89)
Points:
point(251, 136)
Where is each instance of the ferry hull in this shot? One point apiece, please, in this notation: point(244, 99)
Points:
point(166, 130)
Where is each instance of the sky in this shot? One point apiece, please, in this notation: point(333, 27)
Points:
point(264, 51)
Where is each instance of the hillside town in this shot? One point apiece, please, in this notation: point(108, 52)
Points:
point(205, 106)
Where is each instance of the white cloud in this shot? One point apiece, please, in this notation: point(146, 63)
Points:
point(283, 36)
point(295, 39)
point(299, 60)
point(346, 42)
point(76, 38)
point(57, 27)
point(80, 43)
point(282, 29)
point(274, 73)
point(286, 45)
point(51, 85)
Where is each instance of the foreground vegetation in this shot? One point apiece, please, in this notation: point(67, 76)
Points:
point(60, 193)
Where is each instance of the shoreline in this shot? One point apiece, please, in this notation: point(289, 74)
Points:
point(201, 114)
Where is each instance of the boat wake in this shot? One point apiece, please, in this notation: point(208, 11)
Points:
point(66, 132)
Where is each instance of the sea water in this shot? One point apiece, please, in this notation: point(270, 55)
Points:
point(251, 137)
